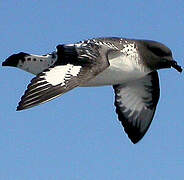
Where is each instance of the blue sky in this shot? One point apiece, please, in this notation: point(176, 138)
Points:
point(77, 136)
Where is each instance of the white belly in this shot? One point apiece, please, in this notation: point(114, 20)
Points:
point(121, 70)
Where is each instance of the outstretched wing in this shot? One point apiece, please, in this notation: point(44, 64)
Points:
point(74, 66)
point(136, 103)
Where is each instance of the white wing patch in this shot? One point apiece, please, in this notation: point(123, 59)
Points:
point(50, 84)
point(60, 74)
point(136, 103)
point(134, 100)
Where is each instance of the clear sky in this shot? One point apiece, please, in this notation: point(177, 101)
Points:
point(77, 136)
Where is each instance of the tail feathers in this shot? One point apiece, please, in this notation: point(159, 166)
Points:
point(31, 63)
point(14, 59)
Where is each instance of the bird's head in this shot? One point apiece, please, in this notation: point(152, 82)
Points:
point(157, 55)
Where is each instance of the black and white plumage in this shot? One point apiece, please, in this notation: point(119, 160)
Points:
point(130, 66)
point(136, 103)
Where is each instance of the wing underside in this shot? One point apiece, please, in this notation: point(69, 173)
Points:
point(136, 103)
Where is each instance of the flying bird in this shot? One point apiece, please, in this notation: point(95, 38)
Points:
point(129, 65)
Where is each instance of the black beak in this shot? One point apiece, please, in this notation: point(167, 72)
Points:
point(176, 66)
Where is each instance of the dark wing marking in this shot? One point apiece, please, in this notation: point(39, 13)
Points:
point(136, 103)
point(49, 84)
point(59, 79)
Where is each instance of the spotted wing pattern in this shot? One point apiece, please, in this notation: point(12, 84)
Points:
point(74, 66)
point(51, 83)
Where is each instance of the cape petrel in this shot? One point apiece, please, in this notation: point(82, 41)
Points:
point(129, 65)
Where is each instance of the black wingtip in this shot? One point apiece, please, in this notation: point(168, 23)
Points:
point(14, 59)
point(21, 107)
point(135, 140)
point(18, 108)
point(134, 135)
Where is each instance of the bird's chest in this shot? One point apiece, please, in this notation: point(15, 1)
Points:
point(122, 69)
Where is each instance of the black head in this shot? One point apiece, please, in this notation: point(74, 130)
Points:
point(157, 55)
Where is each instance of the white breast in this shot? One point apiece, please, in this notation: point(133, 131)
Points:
point(122, 69)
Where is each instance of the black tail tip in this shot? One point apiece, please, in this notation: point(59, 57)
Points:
point(4, 63)
point(14, 59)
point(7, 62)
